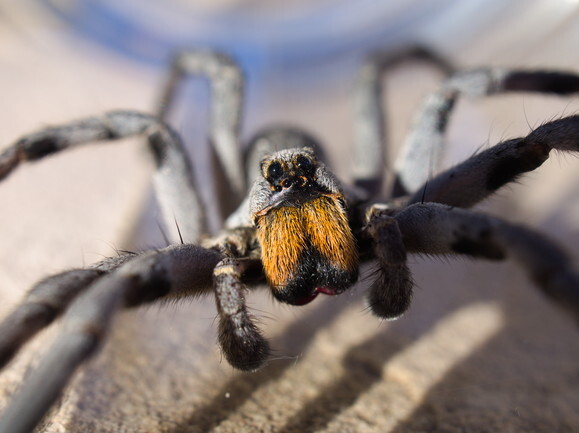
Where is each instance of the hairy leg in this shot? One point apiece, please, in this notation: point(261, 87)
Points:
point(173, 272)
point(173, 179)
point(478, 177)
point(423, 146)
point(227, 84)
point(46, 301)
point(240, 339)
point(390, 294)
point(371, 135)
point(433, 228)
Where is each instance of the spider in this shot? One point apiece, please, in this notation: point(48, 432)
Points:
point(298, 230)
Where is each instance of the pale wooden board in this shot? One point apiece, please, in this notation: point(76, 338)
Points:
point(480, 349)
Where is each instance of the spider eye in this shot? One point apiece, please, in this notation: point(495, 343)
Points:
point(304, 163)
point(274, 170)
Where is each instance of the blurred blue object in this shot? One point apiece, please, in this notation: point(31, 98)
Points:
point(296, 37)
point(287, 35)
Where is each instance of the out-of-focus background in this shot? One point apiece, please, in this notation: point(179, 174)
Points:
point(480, 350)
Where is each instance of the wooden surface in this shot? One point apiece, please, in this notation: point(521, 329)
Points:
point(480, 350)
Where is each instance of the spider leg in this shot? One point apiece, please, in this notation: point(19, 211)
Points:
point(390, 293)
point(45, 302)
point(175, 271)
point(473, 180)
point(370, 135)
point(173, 178)
point(423, 146)
point(433, 228)
point(240, 339)
point(226, 83)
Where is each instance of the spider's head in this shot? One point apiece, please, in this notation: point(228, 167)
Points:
point(291, 177)
point(284, 173)
point(302, 226)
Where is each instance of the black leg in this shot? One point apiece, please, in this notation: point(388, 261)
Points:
point(240, 339)
point(390, 294)
point(173, 179)
point(371, 135)
point(432, 228)
point(227, 85)
point(424, 144)
point(482, 175)
point(173, 272)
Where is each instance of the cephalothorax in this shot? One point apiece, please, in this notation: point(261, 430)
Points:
point(297, 230)
point(299, 211)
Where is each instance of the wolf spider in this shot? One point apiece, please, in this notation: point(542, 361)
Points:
point(298, 229)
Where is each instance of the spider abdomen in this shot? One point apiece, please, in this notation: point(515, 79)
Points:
point(307, 249)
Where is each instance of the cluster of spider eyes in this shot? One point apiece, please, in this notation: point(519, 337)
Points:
point(276, 170)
